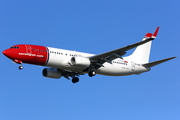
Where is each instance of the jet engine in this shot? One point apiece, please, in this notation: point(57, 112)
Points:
point(52, 73)
point(80, 62)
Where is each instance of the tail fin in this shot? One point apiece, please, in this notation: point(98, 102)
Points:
point(142, 52)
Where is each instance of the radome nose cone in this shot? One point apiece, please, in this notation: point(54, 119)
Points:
point(4, 52)
point(7, 53)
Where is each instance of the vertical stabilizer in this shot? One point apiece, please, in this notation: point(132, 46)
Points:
point(142, 52)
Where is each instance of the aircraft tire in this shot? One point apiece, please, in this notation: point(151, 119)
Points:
point(92, 73)
point(20, 67)
point(75, 80)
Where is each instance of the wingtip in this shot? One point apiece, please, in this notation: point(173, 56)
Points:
point(174, 57)
point(154, 35)
point(148, 35)
point(156, 32)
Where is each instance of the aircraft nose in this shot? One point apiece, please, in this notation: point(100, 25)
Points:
point(7, 53)
point(4, 52)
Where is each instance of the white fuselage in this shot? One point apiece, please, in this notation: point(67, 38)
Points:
point(60, 58)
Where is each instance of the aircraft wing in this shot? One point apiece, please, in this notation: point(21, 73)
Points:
point(118, 52)
point(99, 60)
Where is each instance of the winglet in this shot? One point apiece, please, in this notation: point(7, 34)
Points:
point(148, 35)
point(152, 36)
point(155, 33)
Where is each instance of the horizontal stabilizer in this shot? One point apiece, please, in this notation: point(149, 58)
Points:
point(151, 64)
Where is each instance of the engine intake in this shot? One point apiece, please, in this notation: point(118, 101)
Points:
point(80, 62)
point(51, 73)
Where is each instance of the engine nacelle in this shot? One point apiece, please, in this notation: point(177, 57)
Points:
point(80, 62)
point(51, 73)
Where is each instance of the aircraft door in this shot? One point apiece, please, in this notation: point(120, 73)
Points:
point(132, 66)
point(28, 49)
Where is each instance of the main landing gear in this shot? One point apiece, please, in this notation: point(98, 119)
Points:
point(75, 79)
point(92, 73)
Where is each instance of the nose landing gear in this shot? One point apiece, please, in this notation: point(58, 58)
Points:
point(19, 62)
point(20, 67)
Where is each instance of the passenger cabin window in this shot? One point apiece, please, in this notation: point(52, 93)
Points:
point(59, 53)
point(39, 50)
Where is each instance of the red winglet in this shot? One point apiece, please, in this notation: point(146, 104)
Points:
point(148, 35)
point(156, 32)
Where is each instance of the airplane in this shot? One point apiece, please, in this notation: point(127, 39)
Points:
point(72, 64)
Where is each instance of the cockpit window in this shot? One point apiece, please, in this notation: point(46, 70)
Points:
point(14, 47)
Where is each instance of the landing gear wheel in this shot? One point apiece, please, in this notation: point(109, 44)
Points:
point(92, 73)
point(75, 80)
point(20, 67)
